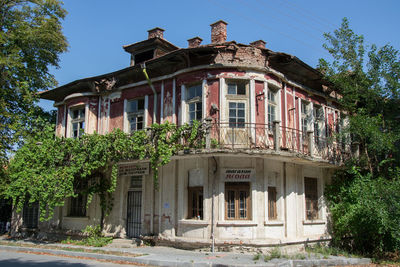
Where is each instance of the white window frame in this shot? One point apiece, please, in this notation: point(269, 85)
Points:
point(318, 120)
point(186, 101)
point(71, 121)
point(196, 100)
point(244, 109)
point(139, 113)
point(238, 98)
point(271, 104)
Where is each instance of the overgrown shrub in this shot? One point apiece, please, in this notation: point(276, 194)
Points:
point(365, 211)
point(94, 238)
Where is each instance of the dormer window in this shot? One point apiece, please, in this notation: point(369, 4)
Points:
point(77, 122)
point(144, 56)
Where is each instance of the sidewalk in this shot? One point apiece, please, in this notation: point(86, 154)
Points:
point(166, 256)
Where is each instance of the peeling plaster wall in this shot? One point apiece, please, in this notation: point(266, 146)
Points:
point(165, 210)
point(60, 127)
point(116, 112)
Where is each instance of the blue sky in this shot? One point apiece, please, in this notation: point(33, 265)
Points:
point(97, 29)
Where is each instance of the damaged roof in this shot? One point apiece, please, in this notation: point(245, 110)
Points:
point(180, 58)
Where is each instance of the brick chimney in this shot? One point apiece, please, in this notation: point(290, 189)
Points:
point(156, 32)
point(258, 43)
point(218, 32)
point(194, 42)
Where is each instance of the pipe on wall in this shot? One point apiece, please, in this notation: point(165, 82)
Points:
point(143, 66)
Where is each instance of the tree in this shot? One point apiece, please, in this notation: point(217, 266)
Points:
point(364, 197)
point(48, 169)
point(31, 40)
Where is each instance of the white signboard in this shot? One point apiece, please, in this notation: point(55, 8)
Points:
point(133, 169)
point(238, 175)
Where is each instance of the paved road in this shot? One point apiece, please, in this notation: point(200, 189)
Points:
point(18, 259)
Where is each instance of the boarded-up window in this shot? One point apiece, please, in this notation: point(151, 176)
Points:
point(311, 196)
point(272, 212)
point(195, 197)
point(237, 201)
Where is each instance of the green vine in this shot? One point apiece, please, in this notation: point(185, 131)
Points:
point(49, 169)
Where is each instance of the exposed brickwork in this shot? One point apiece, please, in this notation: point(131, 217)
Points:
point(156, 32)
point(194, 42)
point(218, 32)
point(259, 43)
point(241, 55)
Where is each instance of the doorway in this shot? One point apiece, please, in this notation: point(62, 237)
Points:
point(134, 208)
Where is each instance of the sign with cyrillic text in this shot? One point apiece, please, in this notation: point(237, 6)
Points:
point(238, 175)
point(133, 169)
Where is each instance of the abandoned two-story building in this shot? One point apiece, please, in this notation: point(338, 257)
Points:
point(272, 120)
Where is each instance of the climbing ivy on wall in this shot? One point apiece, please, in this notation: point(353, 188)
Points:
point(48, 169)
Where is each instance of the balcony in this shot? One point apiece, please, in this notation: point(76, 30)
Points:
point(275, 139)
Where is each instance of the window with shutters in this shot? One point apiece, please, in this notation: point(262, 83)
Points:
point(311, 198)
point(237, 201)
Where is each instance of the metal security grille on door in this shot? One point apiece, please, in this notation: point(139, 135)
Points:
point(134, 219)
point(30, 215)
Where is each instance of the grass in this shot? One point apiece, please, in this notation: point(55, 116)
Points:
point(275, 253)
point(327, 251)
point(98, 241)
point(256, 257)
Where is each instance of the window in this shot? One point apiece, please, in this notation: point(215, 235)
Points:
point(311, 196)
point(135, 110)
point(236, 88)
point(304, 118)
point(272, 212)
point(272, 108)
point(136, 182)
point(78, 122)
point(30, 215)
point(144, 56)
point(77, 207)
point(318, 120)
point(195, 204)
point(236, 114)
point(194, 102)
point(237, 201)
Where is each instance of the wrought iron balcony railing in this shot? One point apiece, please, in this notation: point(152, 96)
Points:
point(240, 135)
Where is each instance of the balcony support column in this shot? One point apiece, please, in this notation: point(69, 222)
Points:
point(207, 122)
point(310, 135)
point(277, 134)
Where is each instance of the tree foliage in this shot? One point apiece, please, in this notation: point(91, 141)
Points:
point(31, 40)
point(364, 197)
point(49, 169)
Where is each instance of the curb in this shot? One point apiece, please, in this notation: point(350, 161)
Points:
point(154, 262)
